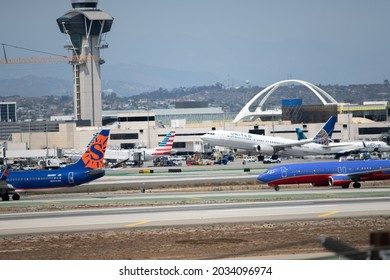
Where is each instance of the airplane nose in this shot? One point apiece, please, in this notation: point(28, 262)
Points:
point(262, 178)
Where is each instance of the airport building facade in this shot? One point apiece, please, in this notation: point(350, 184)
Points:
point(146, 128)
point(135, 129)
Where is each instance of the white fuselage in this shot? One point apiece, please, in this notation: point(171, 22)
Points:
point(269, 145)
point(338, 148)
point(129, 154)
point(265, 145)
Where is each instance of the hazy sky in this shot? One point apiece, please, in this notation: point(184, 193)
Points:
point(264, 41)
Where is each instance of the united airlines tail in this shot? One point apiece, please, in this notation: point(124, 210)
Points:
point(93, 157)
point(325, 133)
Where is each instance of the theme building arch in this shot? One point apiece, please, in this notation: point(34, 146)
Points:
point(322, 95)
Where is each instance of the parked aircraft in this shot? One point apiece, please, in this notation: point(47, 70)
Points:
point(344, 148)
point(163, 149)
point(327, 173)
point(267, 145)
point(86, 169)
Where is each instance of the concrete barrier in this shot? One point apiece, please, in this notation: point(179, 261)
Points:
point(146, 171)
point(174, 170)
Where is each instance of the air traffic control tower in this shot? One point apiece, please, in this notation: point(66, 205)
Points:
point(86, 25)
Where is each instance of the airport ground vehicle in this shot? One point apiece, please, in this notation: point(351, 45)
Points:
point(271, 160)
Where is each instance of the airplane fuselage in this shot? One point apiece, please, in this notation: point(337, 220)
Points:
point(51, 179)
point(327, 173)
point(245, 141)
point(337, 148)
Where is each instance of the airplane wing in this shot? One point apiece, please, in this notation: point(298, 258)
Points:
point(281, 147)
point(359, 176)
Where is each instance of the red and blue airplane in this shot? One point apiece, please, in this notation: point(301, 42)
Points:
point(88, 168)
point(341, 173)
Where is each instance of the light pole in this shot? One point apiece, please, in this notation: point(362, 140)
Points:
point(149, 146)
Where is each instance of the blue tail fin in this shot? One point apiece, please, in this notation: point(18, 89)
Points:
point(300, 134)
point(325, 133)
point(93, 157)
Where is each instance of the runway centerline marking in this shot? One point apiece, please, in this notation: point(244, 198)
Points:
point(137, 223)
point(328, 214)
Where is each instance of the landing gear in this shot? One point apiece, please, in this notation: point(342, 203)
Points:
point(277, 188)
point(345, 186)
point(356, 185)
point(6, 194)
point(260, 157)
point(5, 197)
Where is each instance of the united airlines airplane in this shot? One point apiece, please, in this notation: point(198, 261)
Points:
point(344, 148)
point(267, 145)
point(341, 173)
point(88, 168)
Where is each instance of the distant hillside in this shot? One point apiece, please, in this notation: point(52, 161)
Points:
point(233, 99)
point(152, 77)
point(124, 79)
point(35, 86)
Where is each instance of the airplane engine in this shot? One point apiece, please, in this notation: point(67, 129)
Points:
point(341, 180)
point(240, 151)
point(265, 149)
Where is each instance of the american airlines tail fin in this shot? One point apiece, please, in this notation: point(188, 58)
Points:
point(93, 157)
point(165, 146)
point(325, 133)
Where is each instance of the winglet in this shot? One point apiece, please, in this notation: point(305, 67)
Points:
point(93, 157)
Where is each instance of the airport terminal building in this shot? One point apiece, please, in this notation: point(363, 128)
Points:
point(134, 129)
point(146, 128)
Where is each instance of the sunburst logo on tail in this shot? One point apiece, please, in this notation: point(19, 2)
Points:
point(94, 156)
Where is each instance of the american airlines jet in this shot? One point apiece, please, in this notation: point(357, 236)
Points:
point(267, 145)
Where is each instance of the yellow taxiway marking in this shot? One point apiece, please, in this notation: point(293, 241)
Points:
point(138, 223)
point(328, 214)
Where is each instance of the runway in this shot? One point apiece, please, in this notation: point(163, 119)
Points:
point(153, 208)
point(113, 218)
point(134, 179)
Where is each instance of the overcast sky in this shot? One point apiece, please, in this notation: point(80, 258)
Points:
point(263, 41)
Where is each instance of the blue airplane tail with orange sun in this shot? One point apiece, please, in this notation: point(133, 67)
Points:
point(88, 168)
point(93, 157)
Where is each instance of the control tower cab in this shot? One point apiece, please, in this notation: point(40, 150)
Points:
point(86, 27)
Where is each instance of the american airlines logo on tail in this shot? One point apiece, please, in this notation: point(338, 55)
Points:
point(165, 147)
